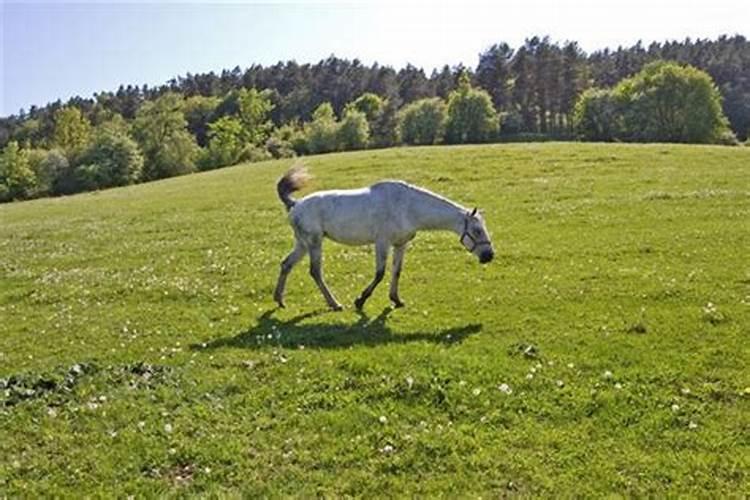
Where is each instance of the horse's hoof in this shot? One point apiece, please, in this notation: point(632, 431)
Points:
point(281, 304)
point(398, 304)
point(359, 304)
point(336, 307)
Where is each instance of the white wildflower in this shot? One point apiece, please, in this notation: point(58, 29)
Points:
point(505, 388)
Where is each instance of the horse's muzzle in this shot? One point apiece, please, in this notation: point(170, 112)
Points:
point(486, 256)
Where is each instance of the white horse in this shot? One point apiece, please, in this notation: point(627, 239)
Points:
point(388, 214)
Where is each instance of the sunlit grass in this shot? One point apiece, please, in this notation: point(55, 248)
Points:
point(605, 350)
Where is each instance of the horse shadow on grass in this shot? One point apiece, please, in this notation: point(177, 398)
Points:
point(293, 334)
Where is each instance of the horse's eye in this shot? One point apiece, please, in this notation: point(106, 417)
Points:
point(477, 231)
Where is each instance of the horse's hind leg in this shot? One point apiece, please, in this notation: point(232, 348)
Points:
point(316, 271)
point(398, 262)
point(381, 256)
point(286, 267)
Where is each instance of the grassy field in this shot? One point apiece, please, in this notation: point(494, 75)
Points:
point(605, 350)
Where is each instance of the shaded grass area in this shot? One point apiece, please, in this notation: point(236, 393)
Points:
point(604, 351)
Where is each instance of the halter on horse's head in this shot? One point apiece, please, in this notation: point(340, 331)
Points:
point(475, 237)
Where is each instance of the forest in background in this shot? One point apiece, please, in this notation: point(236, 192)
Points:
point(534, 85)
point(541, 90)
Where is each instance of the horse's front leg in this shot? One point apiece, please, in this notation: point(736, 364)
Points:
point(316, 271)
point(398, 261)
point(381, 256)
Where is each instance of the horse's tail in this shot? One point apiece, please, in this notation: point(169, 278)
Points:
point(293, 180)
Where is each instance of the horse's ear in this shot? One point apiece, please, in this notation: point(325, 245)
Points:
point(474, 212)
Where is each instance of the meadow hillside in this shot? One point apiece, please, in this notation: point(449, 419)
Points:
point(604, 350)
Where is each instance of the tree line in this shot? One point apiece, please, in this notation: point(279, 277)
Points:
point(539, 90)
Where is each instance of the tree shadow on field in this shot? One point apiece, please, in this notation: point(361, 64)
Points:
point(270, 331)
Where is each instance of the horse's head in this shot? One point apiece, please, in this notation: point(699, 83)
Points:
point(475, 237)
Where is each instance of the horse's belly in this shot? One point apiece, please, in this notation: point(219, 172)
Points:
point(349, 234)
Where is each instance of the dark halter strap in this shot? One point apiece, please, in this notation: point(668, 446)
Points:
point(474, 242)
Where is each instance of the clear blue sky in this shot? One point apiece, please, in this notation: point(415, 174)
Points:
point(58, 49)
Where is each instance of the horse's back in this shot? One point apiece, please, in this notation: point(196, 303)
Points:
point(353, 216)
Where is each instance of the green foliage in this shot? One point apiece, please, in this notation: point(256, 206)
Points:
point(534, 85)
point(668, 102)
point(113, 159)
point(30, 133)
point(321, 133)
point(72, 131)
point(239, 136)
point(42, 180)
point(665, 102)
point(284, 141)
point(423, 121)
point(160, 129)
point(471, 116)
point(254, 109)
point(114, 124)
point(597, 115)
point(225, 143)
point(199, 111)
point(17, 180)
point(372, 105)
point(252, 154)
point(52, 166)
point(727, 138)
point(353, 131)
point(385, 127)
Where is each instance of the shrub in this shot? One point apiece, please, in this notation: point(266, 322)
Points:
point(511, 122)
point(597, 115)
point(161, 131)
point(471, 116)
point(668, 102)
point(423, 121)
point(254, 109)
point(48, 166)
point(353, 131)
point(72, 131)
point(320, 134)
point(252, 153)
point(224, 145)
point(113, 159)
point(385, 126)
point(372, 105)
point(727, 138)
point(283, 141)
point(199, 111)
point(17, 180)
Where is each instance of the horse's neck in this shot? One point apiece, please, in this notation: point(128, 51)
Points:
point(430, 211)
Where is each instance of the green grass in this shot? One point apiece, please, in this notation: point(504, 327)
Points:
point(141, 352)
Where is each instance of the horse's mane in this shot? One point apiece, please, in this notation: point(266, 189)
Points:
point(430, 194)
